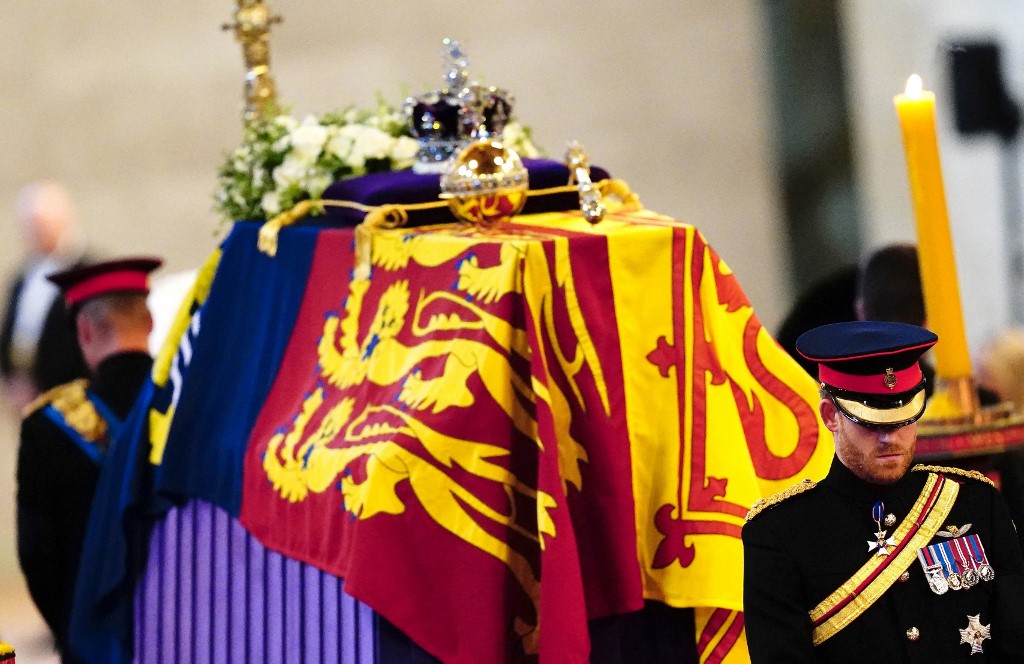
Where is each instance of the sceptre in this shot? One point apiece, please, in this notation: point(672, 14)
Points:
point(252, 30)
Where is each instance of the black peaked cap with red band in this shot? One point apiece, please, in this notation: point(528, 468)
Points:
point(126, 275)
point(871, 368)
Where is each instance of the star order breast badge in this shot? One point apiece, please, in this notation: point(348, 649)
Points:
point(975, 633)
point(881, 544)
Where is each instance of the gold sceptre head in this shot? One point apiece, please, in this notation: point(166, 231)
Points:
point(252, 30)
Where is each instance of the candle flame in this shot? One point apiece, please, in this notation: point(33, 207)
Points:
point(914, 87)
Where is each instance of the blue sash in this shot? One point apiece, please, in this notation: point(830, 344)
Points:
point(90, 448)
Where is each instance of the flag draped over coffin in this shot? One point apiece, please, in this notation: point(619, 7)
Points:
point(495, 435)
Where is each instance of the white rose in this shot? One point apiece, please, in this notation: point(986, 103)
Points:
point(515, 138)
point(286, 121)
point(512, 134)
point(271, 203)
point(403, 152)
point(291, 171)
point(340, 143)
point(372, 143)
point(308, 138)
point(345, 142)
point(316, 182)
point(281, 144)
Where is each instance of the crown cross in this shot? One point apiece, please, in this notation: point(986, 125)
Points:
point(447, 119)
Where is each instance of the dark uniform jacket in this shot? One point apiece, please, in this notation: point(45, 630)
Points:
point(799, 551)
point(57, 475)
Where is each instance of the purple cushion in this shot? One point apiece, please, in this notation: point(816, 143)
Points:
point(407, 187)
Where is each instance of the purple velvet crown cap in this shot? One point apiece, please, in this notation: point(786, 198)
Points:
point(434, 115)
point(406, 187)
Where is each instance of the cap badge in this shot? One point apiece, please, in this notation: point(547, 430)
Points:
point(890, 378)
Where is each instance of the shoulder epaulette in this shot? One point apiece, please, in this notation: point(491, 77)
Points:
point(785, 494)
point(73, 391)
point(950, 470)
point(75, 409)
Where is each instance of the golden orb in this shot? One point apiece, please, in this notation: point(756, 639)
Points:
point(486, 183)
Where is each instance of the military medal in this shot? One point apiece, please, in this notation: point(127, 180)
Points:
point(975, 633)
point(881, 543)
point(940, 568)
point(980, 558)
point(953, 578)
point(966, 563)
point(958, 564)
point(933, 571)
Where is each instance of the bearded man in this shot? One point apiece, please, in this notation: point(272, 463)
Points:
point(882, 560)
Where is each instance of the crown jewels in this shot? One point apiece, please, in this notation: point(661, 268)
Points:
point(486, 183)
point(485, 111)
point(446, 120)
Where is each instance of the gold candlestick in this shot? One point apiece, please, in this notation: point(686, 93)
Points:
point(252, 30)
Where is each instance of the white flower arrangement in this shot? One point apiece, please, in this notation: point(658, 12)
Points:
point(284, 161)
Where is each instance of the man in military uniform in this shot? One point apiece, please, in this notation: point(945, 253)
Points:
point(881, 561)
point(66, 430)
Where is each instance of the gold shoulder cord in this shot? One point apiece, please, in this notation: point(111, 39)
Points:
point(773, 500)
point(950, 470)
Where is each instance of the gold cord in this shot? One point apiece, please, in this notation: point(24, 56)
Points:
point(397, 215)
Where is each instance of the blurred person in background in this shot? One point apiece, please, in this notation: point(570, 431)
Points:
point(889, 286)
point(67, 430)
point(1001, 367)
point(38, 349)
point(1000, 370)
point(889, 290)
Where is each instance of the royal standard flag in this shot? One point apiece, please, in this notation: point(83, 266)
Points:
point(528, 427)
point(492, 436)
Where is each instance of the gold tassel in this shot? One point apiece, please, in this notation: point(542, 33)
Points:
point(267, 242)
point(385, 216)
point(620, 189)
